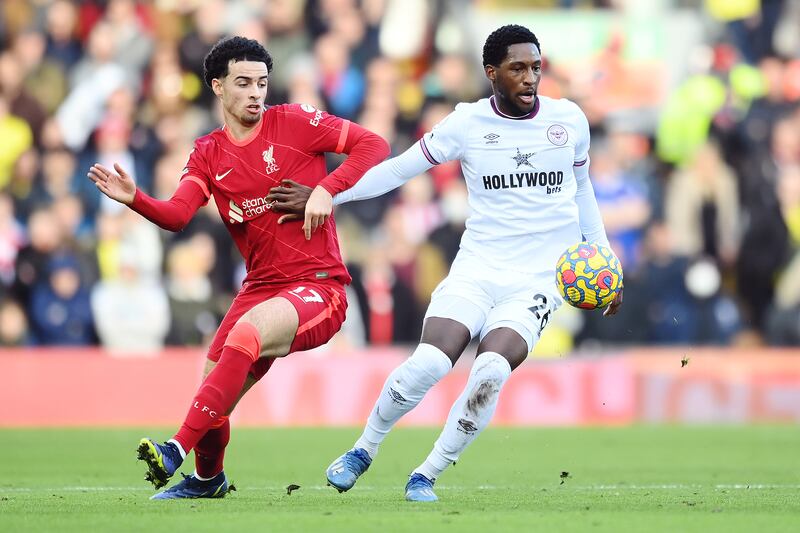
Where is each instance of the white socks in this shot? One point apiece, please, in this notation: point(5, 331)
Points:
point(180, 448)
point(404, 389)
point(470, 414)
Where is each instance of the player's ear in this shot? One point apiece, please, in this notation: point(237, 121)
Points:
point(216, 86)
point(491, 73)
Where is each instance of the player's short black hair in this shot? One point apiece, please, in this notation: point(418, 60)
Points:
point(215, 64)
point(495, 49)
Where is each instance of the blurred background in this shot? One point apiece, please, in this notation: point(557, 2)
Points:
point(695, 160)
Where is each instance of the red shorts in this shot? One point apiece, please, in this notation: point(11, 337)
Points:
point(320, 309)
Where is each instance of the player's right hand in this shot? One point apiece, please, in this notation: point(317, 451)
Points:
point(318, 208)
point(615, 304)
point(117, 185)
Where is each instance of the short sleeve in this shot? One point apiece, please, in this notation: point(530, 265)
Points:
point(583, 138)
point(445, 142)
point(197, 169)
point(316, 129)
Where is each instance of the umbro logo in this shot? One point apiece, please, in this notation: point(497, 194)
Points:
point(467, 426)
point(491, 138)
point(220, 176)
point(396, 396)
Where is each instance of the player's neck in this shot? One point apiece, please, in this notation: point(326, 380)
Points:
point(239, 131)
point(512, 112)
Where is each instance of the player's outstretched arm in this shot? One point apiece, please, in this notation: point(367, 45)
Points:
point(172, 214)
point(387, 176)
point(291, 197)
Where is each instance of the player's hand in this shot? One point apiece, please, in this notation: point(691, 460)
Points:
point(289, 197)
point(117, 185)
point(318, 209)
point(614, 306)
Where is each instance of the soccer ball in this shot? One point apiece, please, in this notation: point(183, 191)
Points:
point(588, 276)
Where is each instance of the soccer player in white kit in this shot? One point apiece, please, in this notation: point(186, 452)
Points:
point(525, 161)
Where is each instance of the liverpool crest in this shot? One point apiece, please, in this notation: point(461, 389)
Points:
point(269, 159)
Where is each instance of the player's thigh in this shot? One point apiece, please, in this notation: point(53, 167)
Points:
point(320, 308)
point(251, 295)
point(292, 312)
point(248, 297)
point(526, 311)
point(276, 320)
point(271, 314)
point(461, 298)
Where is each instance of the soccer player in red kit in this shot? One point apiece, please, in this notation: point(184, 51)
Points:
point(293, 297)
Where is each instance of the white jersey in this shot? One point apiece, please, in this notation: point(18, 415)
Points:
point(520, 176)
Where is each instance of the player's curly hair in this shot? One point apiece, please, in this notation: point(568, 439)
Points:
point(495, 49)
point(215, 64)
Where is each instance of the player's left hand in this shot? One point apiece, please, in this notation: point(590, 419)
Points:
point(318, 208)
point(614, 306)
point(290, 197)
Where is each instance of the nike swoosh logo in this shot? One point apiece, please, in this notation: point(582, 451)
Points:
point(220, 176)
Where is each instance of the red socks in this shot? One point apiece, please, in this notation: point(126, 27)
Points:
point(222, 385)
point(210, 450)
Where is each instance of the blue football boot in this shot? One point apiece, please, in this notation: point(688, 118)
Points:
point(344, 471)
point(162, 461)
point(191, 487)
point(420, 489)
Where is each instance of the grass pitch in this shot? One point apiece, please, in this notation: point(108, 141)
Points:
point(623, 479)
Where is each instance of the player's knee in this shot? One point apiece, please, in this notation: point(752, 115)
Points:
point(245, 337)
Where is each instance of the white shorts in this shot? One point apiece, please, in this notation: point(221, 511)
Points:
point(485, 298)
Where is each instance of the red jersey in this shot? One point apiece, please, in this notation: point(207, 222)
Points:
point(288, 143)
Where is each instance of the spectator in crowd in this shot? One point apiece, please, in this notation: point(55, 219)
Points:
point(21, 103)
point(17, 138)
point(63, 46)
point(191, 301)
point(92, 82)
point(623, 202)
point(13, 325)
point(59, 309)
point(12, 238)
point(702, 208)
point(45, 238)
point(140, 325)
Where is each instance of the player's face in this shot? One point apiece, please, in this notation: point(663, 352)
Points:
point(516, 80)
point(243, 91)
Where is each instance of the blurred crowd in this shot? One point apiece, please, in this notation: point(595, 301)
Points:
point(701, 201)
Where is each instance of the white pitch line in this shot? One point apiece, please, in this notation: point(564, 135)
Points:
point(672, 486)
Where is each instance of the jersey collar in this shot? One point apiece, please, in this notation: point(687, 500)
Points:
point(523, 117)
point(247, 140)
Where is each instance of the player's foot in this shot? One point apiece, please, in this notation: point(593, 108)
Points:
point(191, 487)
point(162, 461)
point(420, 489)
point(344, 471)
